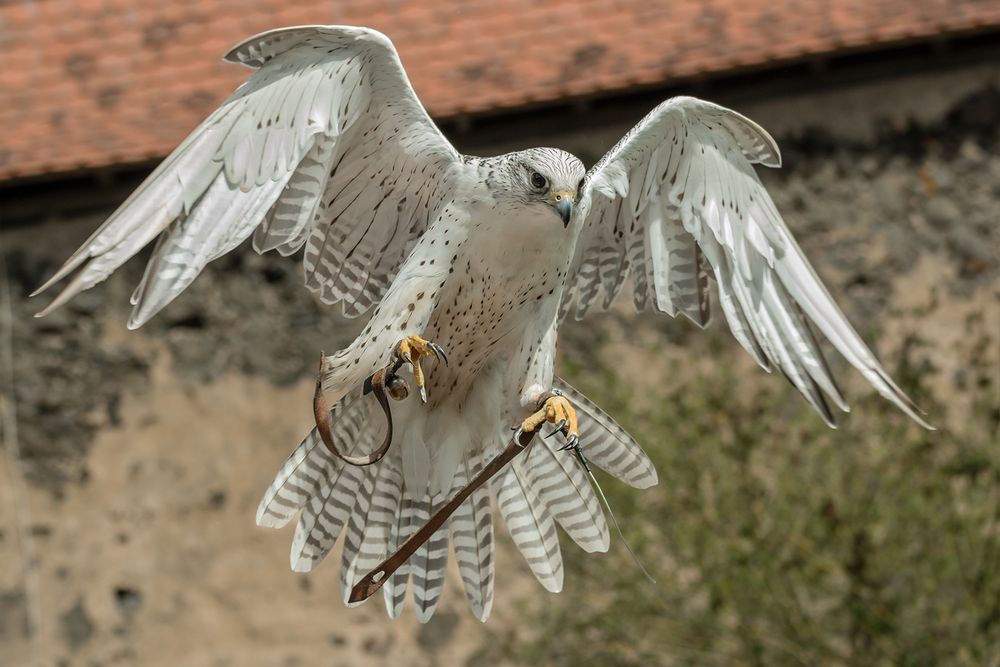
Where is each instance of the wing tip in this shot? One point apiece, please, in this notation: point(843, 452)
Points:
point(918, 415)
point(60, 300)
point(775, 161)
point(911, 410)
point(897, 396)
point(63, 271)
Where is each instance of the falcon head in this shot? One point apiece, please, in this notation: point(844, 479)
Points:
point(550, 178)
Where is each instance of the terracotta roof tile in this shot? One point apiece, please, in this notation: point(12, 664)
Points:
point(89, 83)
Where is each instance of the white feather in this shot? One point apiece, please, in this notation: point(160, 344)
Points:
point(707, 186)
point(344, 83)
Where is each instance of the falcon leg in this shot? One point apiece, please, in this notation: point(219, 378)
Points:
point(554, 409)
point(411, 350)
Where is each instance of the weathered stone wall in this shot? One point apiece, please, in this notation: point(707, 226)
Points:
point(126, 521)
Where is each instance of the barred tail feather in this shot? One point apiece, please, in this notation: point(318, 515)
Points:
point(606, 444)
point(559, 483)
point(299, 479)
point(471, 528)
point(377, 512)
point(305, 471)
point(323, 518)
point(531, 527)
point(368, 544)
point(427, 566)
point(357, 537)
point(407, 522)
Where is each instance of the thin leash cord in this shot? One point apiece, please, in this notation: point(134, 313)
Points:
point(12, 447)
point(593, 481)
point(578, 453)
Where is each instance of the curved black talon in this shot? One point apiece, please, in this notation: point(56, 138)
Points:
point(573, 442)
point(560, 428)
point(439, 352)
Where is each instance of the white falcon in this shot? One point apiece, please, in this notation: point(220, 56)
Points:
point(327, 147)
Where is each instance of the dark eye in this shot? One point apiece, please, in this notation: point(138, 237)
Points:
point(538, 181)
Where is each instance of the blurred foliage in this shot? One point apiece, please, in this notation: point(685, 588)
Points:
point(777, 541)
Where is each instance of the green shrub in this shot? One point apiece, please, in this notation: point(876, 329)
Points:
point(778, 541)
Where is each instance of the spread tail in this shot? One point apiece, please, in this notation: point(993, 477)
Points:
point(377, 512)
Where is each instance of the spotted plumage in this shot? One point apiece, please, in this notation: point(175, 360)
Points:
point(326, 149)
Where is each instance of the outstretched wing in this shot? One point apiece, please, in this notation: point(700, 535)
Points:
point(676, 198)
point(326, 145)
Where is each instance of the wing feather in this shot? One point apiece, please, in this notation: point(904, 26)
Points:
point(679, 189)
point(326, 140)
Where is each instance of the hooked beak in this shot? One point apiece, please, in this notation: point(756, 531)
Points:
point(562, 202)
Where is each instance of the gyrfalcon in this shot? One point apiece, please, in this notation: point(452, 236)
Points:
point(326, 147)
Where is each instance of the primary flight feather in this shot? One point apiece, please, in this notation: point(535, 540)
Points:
point(327, 148)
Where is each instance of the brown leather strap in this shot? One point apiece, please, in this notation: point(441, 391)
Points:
point(376, 384)
point(374, 580)
point(540, 403)
point(321, 412)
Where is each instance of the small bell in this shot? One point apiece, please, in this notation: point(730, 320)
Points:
point(397, 388)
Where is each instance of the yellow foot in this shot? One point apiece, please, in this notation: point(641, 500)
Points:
point(414, 348)
point(554, 409)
